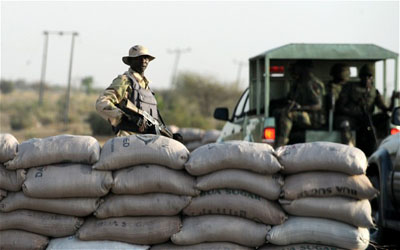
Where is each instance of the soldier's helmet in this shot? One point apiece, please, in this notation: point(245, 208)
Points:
point(136, 51)
point(366, 70)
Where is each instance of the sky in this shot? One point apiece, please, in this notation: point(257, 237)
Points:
point(217, 37)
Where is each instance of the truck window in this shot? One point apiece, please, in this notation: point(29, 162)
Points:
point(243, 102)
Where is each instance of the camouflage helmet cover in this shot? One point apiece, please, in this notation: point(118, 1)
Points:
point(136, 51)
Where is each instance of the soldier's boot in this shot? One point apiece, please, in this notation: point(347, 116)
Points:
point(346, 136)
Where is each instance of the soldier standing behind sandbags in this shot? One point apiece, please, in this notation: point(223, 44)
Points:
point(129, 104)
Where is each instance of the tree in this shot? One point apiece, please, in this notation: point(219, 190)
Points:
point(87, 84)
point(6, 86)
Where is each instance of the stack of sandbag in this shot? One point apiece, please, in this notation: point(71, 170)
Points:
point(60, 189)
point(150, 190)
point(192, 137)
point(239, 196)
point(326, 193)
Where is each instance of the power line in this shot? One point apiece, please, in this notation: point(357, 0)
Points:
point(177, 53)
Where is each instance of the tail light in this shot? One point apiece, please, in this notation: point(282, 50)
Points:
point(277, 69)
point(269, 133)
point(394, 131)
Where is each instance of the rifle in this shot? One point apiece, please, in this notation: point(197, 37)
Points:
point(370, 123)
point(159, 127)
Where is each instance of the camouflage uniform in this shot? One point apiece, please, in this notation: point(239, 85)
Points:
point(356, 102)
point(120, 90)
point(311, 92)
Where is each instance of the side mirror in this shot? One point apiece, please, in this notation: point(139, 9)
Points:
point(221, 114)
point(396, 116)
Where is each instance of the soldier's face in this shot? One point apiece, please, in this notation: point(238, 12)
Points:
point(139, 64)
point(345, 75)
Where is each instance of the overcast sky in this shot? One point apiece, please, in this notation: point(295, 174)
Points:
point(219, 34)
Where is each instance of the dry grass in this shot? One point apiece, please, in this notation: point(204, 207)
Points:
point(21, 102)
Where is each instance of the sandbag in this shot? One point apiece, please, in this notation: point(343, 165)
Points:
point(67, 180)
point(48, 224)
point(68, 206)
point(22, 240)
point(11, 180)
point(354, 212)
point(121, 152)
point(142, 205)
point(302, 246)
point(267, 186)
point(217, 228)
point(238, 203)
point(325, 184)
point(211, 136)
point(201, 246)
point(193, 145)
point(256, 157)
point(8, 147)
point(153, 179)
point(326, 156)
point(191, 134)
point(56, 149)
point(73, 243)
point(3, 194)
point(136, 230)
point(319, 231)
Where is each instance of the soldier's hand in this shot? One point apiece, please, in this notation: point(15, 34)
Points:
point(295, 105)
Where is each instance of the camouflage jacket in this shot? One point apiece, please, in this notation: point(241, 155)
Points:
point(119, 90)
point(311, 92)
point(355, 99)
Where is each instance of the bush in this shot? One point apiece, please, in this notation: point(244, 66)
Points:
point(19, 121)
point(6, 87)
point(98, 125)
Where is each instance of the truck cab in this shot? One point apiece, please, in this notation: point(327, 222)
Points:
point(270, 81)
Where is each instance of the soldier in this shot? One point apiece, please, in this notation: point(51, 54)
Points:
point(355, 107)
point(305, 103)
point(340, 73)
point(129, 96)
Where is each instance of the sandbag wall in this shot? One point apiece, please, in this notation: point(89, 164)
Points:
point(146, 190)
point(238, 203)
point(326, 194)
point(150, 190)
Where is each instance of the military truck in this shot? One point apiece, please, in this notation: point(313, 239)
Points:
point(269, 83)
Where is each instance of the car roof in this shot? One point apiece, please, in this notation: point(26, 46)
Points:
point(329, 52)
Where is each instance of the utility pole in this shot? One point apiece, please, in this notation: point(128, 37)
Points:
point(240, 64)
point(69, 79)
point(177, 53)
point(44, 62)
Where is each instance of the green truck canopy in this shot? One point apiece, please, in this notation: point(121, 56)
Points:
point(329, 52)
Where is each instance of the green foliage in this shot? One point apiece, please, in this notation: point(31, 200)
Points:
point(6, 86)
point(98, 125)
point(193, 99)
point(87, 84)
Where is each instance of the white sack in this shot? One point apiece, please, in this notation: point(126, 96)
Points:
point(267, 186)
point(55, 149)
point(68, 206)
point(121, 152)
point(67, 180)
point(319, 231)
point(256, 157)
point(350, 211)
point(327, 156)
